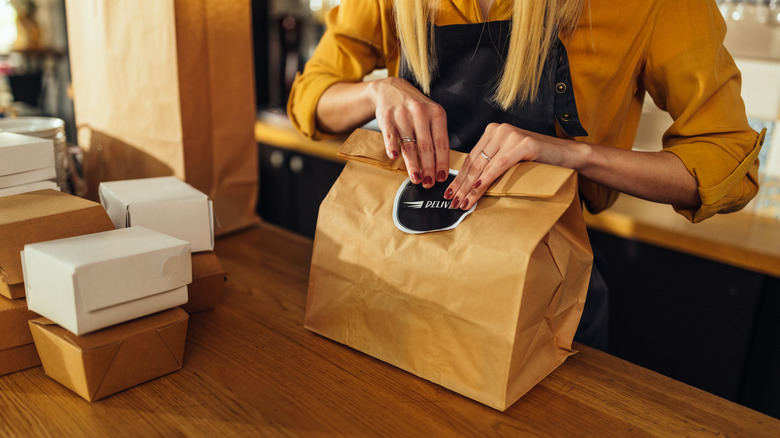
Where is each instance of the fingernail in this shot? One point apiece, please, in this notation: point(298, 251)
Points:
point(465, 205)
point(428, 181)
point(441, 176)
point(455, 202)
point(448, 194)
point(479, 183)
point(416, 177)
point(393, 154)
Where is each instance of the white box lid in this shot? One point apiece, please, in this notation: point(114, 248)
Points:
point(164, 204)
point(21, 153)
point(108, 268)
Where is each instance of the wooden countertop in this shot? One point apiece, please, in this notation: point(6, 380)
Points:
point(251, 369)
point(740, 239)
point(280, 135)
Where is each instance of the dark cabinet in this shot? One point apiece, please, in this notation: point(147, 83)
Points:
point(762, 380)
point(713, 326)
point(292, 186)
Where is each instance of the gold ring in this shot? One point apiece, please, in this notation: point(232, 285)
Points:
point(484, 155)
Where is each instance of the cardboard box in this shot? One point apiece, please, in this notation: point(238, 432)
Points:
point(20, 154)
point(17, 351)
point(165, 204)
point(208, 283)
point(86, 283)
point(40, 216)
point(31, 187)
point(107, 361)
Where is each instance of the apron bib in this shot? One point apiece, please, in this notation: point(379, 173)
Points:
point(469, 58)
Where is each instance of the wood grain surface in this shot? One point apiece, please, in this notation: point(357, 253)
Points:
point(742, 239)
point(251, 369)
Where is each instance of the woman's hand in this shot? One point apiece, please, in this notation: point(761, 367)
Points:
point(500, 147)
point(414, 127)
point(656, 176)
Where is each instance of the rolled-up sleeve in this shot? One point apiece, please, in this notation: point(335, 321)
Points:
point(691, 75)
point(357, 38)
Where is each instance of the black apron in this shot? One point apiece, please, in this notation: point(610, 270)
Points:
point(468, 60)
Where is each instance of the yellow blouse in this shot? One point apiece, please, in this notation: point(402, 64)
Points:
point(672, 49)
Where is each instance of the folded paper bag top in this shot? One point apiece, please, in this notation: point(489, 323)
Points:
point(41, 216)
point(89, 282)
point(527, 179)
point(486, 309)
point(165, 204)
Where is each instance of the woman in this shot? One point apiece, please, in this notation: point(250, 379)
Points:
point(557, 81)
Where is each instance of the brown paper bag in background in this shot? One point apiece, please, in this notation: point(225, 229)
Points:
point(166, 87)
point(487, 309)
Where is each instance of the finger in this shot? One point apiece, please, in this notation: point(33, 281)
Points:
point(441, 144)
point(489, 174)
point(453, 192)
point(391, 146)
point(409, 152)
point(473, 183)
point(425, 153)
point(390, 137)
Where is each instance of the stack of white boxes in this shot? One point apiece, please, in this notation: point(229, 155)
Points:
point(173, 207)
point(111, 298)
point(26, 164)
point(109, 302)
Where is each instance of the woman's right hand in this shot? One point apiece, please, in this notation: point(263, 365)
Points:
point(404, 113)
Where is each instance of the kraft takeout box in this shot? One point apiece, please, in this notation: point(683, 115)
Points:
point(113, 359)
point(25, 159)
point(89, 282)
point(165, 204)
point(208, 283)
point(40, 216)
point(17, 351)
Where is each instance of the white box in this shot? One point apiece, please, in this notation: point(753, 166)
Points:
point(20, 154)
point(30, 176)
point(93, 281)
point(164, 204)
point(31, 187)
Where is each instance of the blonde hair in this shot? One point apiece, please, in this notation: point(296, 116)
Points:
point(535, 27)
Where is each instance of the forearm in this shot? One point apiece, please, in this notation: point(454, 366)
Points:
point(344, 106)
point(655, 176)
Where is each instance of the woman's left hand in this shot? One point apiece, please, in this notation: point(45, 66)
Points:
point(500, 147)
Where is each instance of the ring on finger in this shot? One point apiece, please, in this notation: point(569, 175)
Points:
point(484, 155)
point(402, 140)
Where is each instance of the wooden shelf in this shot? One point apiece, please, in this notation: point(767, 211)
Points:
point(288, 138)
point(740, 239)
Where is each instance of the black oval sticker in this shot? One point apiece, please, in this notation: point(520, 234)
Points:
point(419, 210)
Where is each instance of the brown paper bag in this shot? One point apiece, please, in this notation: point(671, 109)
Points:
point(487, 309)
point(166, 87)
